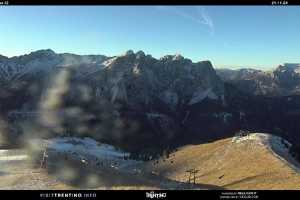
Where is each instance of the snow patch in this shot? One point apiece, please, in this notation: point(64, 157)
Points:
point(136, 70)
point(278, 146)
point(297, 69)
point(11, 158)
point(12, 155)
point(85, 145)
point(275, 143)
point(89, 151)
point(108, 62)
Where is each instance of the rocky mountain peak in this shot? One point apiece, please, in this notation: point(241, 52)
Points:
point(288, 67)
point(205, 65)
point(134, 77)
point(2, 58)
point(291, 65)
point(140, 54)
point(178, 57)
point(43, 52)
point(129, 52)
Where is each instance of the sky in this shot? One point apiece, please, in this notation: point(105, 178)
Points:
point(229, 36)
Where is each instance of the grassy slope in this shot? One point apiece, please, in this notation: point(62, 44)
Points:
point(222, 164)
point(229, 165)
point(73, 174)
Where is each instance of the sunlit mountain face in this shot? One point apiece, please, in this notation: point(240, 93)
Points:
point(141, 103)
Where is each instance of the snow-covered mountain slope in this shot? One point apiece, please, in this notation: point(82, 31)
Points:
point(88, 151)
point(78, 163)
point(279, 146)
point(124, 76)
point(14, 68)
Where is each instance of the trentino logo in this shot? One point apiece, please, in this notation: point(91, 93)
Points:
point(156, 195)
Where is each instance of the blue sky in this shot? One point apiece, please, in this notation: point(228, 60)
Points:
point(229, 36)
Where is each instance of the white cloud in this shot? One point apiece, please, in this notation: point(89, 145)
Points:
point(206, 19)
point(201, 15)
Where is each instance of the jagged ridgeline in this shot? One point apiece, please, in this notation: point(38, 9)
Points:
point(133, 101)
point(283, 81)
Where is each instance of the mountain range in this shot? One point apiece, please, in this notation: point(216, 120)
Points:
point(141, 103)
point(283, 81)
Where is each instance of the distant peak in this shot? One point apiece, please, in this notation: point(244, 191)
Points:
point(249, 70)
point(291, 65)
point(140, 54)
point(129, 52)
point(288, 66)
point(205, 62)
point(43, 52)
point(172, 57)
point(178, 57)
point(3, 57)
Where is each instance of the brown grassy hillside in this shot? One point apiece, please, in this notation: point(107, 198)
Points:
point(245, 165)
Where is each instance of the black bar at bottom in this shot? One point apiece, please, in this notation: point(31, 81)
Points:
point(147, 194)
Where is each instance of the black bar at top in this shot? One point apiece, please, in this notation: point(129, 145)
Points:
point(151, 2)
